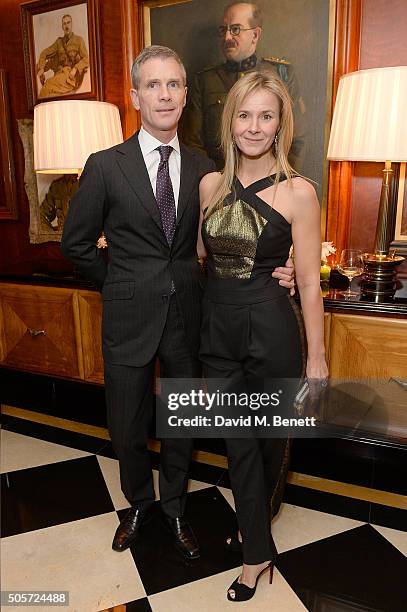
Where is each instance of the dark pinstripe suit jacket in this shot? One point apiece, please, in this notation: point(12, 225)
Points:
point(115, 196)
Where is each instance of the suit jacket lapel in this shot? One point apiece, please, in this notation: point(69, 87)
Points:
point(187, 180)
point(131, 162)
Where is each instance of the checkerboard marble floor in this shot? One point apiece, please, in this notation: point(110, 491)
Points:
point(61, 505)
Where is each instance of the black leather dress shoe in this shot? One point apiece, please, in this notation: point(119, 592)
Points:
point(184, 538)
point(129, 528)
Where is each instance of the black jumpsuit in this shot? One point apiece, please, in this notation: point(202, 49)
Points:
point(251, 330)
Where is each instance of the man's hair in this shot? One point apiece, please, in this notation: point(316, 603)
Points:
point(256, 20)
point(66, 16)
point(151, 53)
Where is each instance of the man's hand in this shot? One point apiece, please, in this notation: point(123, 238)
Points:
point(41, 76)
point(286, 275)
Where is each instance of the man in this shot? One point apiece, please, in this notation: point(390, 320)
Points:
point(143, 194)
point(239, 34)
point(67, 58)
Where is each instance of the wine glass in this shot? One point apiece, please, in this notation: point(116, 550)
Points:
point(351, 264)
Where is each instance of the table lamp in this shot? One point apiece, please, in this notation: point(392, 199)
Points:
point(66, 132)
point(370, 124)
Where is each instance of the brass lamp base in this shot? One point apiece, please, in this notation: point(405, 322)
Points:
point(379, 277)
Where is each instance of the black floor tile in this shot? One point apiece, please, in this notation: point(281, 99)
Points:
point(139, 605)
point(327, 502)
point(358, 570)
point(52, 494)
point(212, 520)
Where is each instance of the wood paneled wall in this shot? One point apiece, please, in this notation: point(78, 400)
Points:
point(17, 256)
point(370, 33)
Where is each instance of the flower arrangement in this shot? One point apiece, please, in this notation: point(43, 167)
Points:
point(327, 249)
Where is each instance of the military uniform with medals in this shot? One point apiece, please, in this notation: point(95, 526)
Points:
point(206, 99)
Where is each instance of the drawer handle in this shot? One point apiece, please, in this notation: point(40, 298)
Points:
point(36, 332)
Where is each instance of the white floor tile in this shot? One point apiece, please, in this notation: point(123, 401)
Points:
point(397, 538)
point(228, 495)
point(75, 557)
point(19, 452)
point(110, 471)
point(209, 595)
point(296, 526)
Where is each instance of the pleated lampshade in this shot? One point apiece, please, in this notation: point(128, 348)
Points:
point(369, 121)
point(66, 132)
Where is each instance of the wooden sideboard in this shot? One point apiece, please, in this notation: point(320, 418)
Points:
point(51, 330)
point(55, 330)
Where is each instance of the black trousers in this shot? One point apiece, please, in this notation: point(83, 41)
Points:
point(245, 344)
point(129, 400)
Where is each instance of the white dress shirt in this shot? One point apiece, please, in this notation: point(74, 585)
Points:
point(148, 146)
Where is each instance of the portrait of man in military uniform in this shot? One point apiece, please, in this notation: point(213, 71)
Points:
point(239, 33)
point(67, 59)
point(61, 63)
point(220, 40)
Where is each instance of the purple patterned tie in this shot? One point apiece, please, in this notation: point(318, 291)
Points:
point(165, 194)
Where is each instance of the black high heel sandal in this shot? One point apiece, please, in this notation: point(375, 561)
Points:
point(244, 592)
point(233, 544)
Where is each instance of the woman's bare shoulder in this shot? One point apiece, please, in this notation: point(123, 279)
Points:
point(303, 185)
point(208, 185)
point(210, 180)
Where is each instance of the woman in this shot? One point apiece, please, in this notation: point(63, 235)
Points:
point(251, 214)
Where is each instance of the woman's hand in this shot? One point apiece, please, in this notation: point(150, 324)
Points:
point(317, 368)
point(317, 376)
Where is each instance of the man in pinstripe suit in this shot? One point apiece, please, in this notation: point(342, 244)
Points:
point(143, 194)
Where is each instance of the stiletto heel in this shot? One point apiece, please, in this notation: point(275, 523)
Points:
point(244, 592)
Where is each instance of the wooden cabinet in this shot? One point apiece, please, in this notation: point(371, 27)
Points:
point(368, 347)
point(39, 329)
point(57, 331)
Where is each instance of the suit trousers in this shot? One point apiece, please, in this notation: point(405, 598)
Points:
point(245, 344)
point(130, 401)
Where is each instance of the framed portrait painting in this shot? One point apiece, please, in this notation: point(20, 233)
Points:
point(296, 41)
point(61, 50)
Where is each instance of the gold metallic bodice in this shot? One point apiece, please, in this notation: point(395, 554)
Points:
point(232, 234)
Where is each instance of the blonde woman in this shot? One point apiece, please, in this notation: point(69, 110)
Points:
point(251, 214)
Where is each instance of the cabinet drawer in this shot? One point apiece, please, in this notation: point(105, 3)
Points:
point(38, 330)
point(368, 347)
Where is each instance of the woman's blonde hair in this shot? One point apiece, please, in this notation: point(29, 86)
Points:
point(248, 84)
